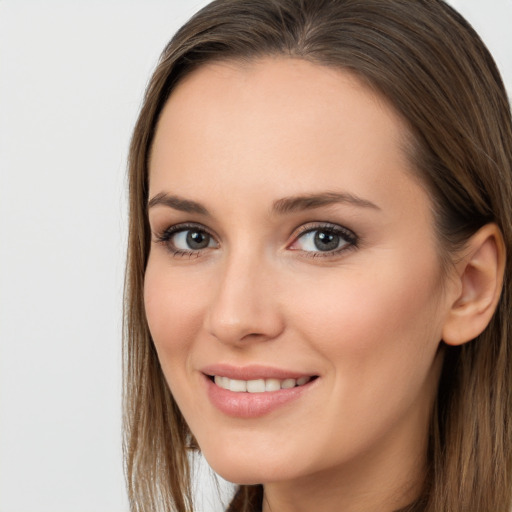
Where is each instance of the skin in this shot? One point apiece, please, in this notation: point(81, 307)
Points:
point(367, 320)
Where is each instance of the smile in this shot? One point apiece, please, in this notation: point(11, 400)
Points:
point(258, 385)
point(255, 391)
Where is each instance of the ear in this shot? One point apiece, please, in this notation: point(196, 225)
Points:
point(478, 283)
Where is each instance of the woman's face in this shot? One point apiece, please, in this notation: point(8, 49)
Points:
point(293, 290)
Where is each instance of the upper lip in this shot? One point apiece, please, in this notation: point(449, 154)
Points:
point(252, 372)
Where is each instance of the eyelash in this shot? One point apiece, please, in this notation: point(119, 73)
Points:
point(352, 240)
point(165, 238)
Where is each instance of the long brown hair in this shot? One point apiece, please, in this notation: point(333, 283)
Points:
point(432, 66)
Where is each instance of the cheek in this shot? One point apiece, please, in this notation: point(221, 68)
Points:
point(383, 325)
point(174, 312)
point(379, 334)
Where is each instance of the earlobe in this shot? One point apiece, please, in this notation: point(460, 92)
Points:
point(479, 275)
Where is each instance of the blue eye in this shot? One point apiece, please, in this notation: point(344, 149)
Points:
point(186, 240)
point(324, 239)
point(191, 239)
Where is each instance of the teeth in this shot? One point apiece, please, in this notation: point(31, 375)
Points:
point(239, 386)
point(288, 383)
point(258, 385)
point(220, 381)
point(272, 385)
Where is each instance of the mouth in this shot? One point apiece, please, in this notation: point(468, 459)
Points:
point(256, 390)
point(259, 385)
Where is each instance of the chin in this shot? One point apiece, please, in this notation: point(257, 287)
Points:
point(245, 468)
point(240, 472)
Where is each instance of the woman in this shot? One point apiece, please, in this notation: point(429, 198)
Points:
point(318, 285)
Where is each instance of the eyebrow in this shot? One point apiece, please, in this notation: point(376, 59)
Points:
point(178, 203)
point(281, 206)
point(311, 201)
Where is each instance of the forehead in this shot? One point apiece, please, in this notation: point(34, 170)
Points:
point(283, 121)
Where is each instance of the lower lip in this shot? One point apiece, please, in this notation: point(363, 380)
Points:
point(252, 405)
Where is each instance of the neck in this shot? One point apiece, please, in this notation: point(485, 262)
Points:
point(337, 496)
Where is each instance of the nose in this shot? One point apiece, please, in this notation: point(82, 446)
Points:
point(244, 307)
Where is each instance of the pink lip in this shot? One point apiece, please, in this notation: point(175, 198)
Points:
point(251, 405)
point(251, 372)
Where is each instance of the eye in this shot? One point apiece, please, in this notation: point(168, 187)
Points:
point(328, 239)
point(187, 239)
point(193, 239)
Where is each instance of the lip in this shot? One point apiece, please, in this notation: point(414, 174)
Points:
point(252, 372)
point(252, 405)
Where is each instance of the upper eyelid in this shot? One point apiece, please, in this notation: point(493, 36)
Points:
point(316, 225)
point(185, 226)
point(305, 226)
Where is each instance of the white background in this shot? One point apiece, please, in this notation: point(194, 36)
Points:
point(72, 76)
